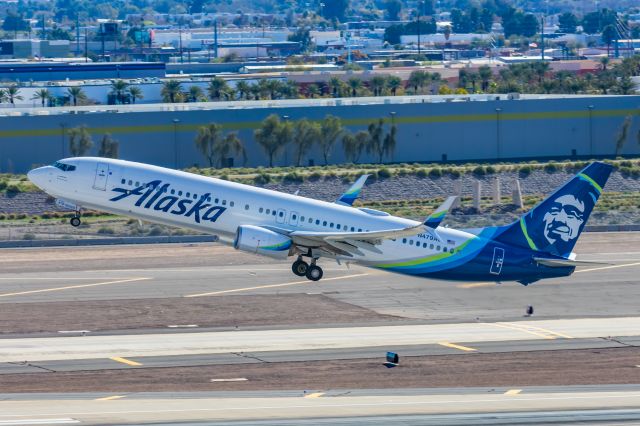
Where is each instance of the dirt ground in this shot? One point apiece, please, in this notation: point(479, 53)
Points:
point(219, 311)
point(541, 368)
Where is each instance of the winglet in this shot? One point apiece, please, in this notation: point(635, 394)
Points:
point(353, 192)
point(436, 217)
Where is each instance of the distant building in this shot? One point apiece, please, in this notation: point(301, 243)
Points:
point(52, 71)
point(24, 49)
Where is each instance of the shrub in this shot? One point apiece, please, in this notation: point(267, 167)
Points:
point(29, 236)
point(384, 173)
point(315, 176)
point(455, 173)
point(3, 185)
point(479, 171)
point(106, 230)
point(155, 231)
point(551, 167)
point(422, 173)
point(490, 170)
point(525, 170)
point(435, 172)
point(262, 179)
point(13, 189)
point(293, 178)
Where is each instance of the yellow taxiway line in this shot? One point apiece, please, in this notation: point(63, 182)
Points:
point(512, 392)
point(70, 287)
point(111, 398)
point(454, 346)
point(607, 267)
point(125, 361)
point(239, 290)
point(314, 395)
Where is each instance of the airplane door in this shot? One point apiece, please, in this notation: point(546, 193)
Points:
point(498, 260)
point(281, 215)
point(102, 175)
point(294, 217)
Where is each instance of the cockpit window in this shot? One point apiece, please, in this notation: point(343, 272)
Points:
point(64, 167)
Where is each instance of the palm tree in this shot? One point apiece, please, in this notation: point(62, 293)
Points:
point(273, 135)
point(3, 96)
point(275, 88)
point(136, 93)
point(417, 80)
point(354, 145)
point(355, 84)
point(76, 94)
point(218, 88)
point(330, 130)
point(604, 61)
point(313, 90)
point(378, 84)
point(291, 90)
point(118, 89)
point(305, 134)
point(229, 145)
point(195, 94)
point(13, 94)
point(394, 83)
point(243, 89)
point(375, 143)
point(485, 76)
point(43, 94)
point(171, 91)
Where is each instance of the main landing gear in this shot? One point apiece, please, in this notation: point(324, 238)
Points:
point(302, 269)
point(75, 220)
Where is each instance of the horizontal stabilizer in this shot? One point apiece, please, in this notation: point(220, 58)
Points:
point(563, 263)
point(353, 192)
point(436, 217)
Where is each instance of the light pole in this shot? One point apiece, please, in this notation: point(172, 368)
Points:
point(590, 108)
point(175, 142)
point(498, 111)
point(420, 3)
point(63, 127)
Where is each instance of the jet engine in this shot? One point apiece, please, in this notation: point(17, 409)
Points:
point(255, 239)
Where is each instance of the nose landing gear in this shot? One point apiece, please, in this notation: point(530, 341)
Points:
point(75, 220)
point(302, 269)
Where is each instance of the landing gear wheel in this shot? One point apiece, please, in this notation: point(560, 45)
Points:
point(300, 267)
point(75, 221)
point(314, 272)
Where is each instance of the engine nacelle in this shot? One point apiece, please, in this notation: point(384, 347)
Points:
point(255, 239)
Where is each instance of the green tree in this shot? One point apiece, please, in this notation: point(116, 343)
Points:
point(109, 147)
point(206, 139)
point(79, 141)
point(171, 91)
point(302, 36)
point(136, 93)
point(609, 34)
point(393, 9)
point(530, 25)
point(3, 96)
point(393, 34)
point(76, 94)
point(313, 90)
point(334, 9)
point(13, 94)
point(218, 88)
point(330, 130)
point(625, 86)
point(119, 90)
point(230, 146)
point(243, 89)
point(14, 23)
point(567, 22)
point(378, 83)
point(485, 75)
point(354, 145)
point(42, 94)
point(305, 134)
point(379, 145)
point(273, 136)
point(621, 139)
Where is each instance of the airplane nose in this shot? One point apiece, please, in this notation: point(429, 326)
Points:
point(38, 176)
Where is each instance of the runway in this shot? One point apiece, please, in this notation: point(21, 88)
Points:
point(204, 318)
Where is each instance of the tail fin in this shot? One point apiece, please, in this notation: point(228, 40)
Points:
point(554, 225)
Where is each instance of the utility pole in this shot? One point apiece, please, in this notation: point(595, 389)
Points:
point(180, 35)
point(419, 20)
point(215, 38)
point(86, 44)
point(542, 37)
point(77, 35)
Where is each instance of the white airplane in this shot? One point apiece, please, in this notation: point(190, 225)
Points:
point(280, 225)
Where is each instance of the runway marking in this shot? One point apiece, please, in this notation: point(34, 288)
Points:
point(314, 395)
point(71, 287)
point(607, 267)
point(454, 346)
point(518, 328)
point(543, 330)
point(236, 379)
point(513, 392)
point(64, 421)
point(238, 290)
point(51, 278)
point(125, 361)
point(476, 285)
point(111, 398)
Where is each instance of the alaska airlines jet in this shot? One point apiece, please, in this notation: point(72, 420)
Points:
point(537, 246)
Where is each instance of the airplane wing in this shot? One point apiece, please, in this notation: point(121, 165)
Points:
point(434, 220)
point(350, 243)
point(353, 192)
point(561, 263)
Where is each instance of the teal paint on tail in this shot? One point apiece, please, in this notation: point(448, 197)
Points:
point(554, 225)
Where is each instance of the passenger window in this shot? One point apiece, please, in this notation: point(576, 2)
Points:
point(137, 183)
point(260, 210)
point(173, 191)
point(338, 226)
point(317, 221)
point(217, 201)
point(431, 246)
point(224, 202)
point(273, 213)
point(293, 217)
point(268, 211)
point(331, 225)
point(246, 206)
point(195, 196)
point(130, 182)
point(324, 223)
point(188, 195)
point(301, 218)
point(231, 203)
point(438, 248)
point(180, 193)
point(353, 229)
point(424, 245)
point(410, 242)
point(281, 214)
point(359, 229)
point(310, 220)
point(123, 181)
point(404, 241)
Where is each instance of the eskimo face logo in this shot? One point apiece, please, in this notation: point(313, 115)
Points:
point(153, 195)
point(564, 220)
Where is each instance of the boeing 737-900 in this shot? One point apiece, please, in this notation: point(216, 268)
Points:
point(539, 245)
